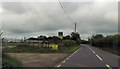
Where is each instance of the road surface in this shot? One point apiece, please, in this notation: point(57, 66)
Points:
point(89, 56)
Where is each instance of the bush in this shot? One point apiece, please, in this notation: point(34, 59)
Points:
point(69, 43)
point(112, 41)
point(23, 45)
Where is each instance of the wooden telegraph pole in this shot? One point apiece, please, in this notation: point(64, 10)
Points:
point(75, 27)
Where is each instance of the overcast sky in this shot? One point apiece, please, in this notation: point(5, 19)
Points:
point(32, 19)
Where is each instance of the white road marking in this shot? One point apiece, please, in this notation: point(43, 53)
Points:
point(108, 66)
point(91, 50)
point(64, 61)
point(59, 66)
point(74, 53)
point(94, 52)
point(67, 58)
point(71, 54)
point(99, 57)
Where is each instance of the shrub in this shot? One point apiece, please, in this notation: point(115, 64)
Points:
point(23, 45)
point(69, 43)
point(112, 41)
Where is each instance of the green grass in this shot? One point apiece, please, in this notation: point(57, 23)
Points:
point(8, 61)
point(12, 62)
point(111, 50)
point(70, 49)
point(32, 49)
point(28, 50)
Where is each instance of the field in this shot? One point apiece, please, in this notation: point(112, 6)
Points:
point(30, 48)
point(30, 55)
point(39, 59)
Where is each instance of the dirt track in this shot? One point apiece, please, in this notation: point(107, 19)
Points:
point(39, 59)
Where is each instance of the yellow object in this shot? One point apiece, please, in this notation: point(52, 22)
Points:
point(60, 37)
point(54, 46)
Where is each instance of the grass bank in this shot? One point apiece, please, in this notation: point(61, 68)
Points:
point(70, 49)
point(32, 49)
point(111, 50)
point(8, 61)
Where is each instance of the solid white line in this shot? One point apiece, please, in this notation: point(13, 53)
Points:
point(74, 53)
point(108, 66)
point(94, 52)
point(59, 66)
point(99, 57)
point(91, 50)
point(69, 57)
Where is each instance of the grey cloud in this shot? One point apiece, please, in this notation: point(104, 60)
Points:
point(32, 19)
point(16, 7)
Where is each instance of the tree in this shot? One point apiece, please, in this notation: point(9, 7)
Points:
point(111, 41)
point(66, 37)
point(75, 37)
point(31, 38)
point(41, 37)
point(97, 36)
point(49, 38)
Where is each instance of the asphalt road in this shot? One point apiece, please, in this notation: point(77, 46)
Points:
point(89, 56)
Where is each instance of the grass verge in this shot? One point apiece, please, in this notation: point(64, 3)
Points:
point(8, 61)
point(111, 50)
point(69, 49)
point(32, 49)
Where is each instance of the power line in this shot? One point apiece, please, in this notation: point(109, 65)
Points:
point(72, 16)
point(68, 12)
point(65, 11)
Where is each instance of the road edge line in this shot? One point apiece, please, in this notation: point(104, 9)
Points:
point(68, 57)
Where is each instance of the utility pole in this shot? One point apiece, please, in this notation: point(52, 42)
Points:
point(75, 27)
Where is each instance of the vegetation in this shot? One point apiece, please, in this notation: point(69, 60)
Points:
point(114, 51)
point(8, 61)
point(109, 43)
point(68, 49)
point(84, 42)
point(68, 44)
point(33, 49)
point(74, 37)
